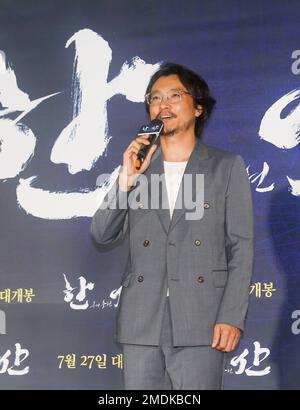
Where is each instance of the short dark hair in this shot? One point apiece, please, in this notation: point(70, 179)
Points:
point(195, 85)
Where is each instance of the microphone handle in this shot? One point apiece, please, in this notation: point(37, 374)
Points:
point(144, 150)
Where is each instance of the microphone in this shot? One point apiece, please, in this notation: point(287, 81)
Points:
point(154, 128)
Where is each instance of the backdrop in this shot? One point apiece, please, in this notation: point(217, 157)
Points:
point(72, 79)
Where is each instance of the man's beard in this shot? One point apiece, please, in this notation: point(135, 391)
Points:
point(169, 133)
point(185, 127)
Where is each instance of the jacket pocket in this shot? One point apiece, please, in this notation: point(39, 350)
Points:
point(220, 277)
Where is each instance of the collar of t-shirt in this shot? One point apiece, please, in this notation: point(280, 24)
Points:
point(173, 175)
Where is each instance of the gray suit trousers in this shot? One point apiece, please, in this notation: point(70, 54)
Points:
point(166, 367)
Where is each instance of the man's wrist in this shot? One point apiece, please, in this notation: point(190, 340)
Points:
point(123, 184)
point(127, 183)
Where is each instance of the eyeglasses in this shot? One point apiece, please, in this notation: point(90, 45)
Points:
point(173, 96)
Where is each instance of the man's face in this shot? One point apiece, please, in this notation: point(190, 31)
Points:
point(177, 117)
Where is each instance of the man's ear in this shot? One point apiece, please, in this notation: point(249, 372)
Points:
point(198, 111)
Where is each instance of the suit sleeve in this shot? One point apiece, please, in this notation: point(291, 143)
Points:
point(110, 222)
point(239, 246)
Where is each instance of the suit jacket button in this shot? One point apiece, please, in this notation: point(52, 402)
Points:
point(200, 279)
point(140, 278)
point(206, 205)
point(146, 242)
point(197, 242)
point(140, 205)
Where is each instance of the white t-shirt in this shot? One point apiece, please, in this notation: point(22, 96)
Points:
point(173, 175)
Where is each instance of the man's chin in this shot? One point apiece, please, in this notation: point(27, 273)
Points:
point(168, 133)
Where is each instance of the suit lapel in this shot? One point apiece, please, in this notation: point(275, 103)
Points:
point(157, 169)
point(196, 164)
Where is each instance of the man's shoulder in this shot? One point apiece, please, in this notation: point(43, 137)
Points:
point(220, 153)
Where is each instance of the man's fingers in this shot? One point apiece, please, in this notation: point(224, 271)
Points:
point(226, 337)
point(129, 169)
point(143, 138)
point(225, 334)
point(235, 341)
point(138, 142)
point(216, 337)
point(133, 149)
point(230, 342)
point(138, 145)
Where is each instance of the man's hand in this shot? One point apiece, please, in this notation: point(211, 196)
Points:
point(226, 337)
point(129, 173)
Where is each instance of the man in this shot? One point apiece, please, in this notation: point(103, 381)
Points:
point(186, 287)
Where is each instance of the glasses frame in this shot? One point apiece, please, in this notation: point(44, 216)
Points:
point(166, 97)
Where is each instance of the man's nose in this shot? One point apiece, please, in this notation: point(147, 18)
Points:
point(165, 102)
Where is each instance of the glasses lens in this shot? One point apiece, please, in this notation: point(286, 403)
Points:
point(174, 97)
point(155, 99)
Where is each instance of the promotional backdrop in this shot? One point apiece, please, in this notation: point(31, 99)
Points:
point(72, 80)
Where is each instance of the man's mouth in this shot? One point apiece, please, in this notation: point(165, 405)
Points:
point(166, 116)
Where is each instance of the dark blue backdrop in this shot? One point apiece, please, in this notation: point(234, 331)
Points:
point(247, 52)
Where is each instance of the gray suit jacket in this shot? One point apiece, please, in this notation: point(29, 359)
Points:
point(206, 263)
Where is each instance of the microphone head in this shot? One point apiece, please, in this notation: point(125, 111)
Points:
point(154, 127)
point(158, 124)
point(156, 121)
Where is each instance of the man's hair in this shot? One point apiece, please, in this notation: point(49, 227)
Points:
point(195, 85)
